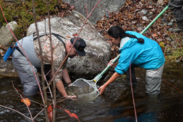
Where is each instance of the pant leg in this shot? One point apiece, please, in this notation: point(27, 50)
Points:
point(26, 74)
point(153, 80)
point(133, 76)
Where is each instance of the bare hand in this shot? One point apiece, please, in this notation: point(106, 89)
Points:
point(102, 89)
point(110, 62)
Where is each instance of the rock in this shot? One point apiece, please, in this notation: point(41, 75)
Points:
point(169, 39)
point(143, 12)
point(170, 24)
point(160, 2)
point(175, 29)
point(145, 18)
point(139, 29)
point(7, 69)
point(6, 38)
point(99, 12)
point(177, 61)
point(97, 50)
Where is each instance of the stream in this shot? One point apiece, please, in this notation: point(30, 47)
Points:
point(115, 105)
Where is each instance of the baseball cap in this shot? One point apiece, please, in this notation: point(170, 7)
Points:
point(79, 45)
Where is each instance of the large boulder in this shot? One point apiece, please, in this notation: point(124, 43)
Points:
point(97, 50)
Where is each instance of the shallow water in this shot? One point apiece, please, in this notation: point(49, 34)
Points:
point(115, 105)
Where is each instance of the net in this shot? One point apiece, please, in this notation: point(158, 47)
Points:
point(85, 90)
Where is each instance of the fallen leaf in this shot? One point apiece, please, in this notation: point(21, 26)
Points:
point(159, 40)
point(162, 44)
point(155, 35)
point(68, 36)
point(71, 114)
point(26, 101)
point(75, 34)
point(50, 112)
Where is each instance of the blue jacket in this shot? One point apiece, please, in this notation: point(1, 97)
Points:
point(148, 55)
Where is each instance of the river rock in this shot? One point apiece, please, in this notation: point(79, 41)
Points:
point(97, 50)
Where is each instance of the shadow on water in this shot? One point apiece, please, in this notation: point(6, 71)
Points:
point(115, 105)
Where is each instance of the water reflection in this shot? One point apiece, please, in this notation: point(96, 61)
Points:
point(115, 105)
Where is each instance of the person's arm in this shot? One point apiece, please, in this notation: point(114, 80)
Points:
point(61, 89)
point(66, 77)
point(112, 78)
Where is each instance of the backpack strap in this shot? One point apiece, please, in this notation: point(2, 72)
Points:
point(56, 35)
point(17, 48)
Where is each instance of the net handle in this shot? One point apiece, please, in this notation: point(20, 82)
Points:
point(99, 76)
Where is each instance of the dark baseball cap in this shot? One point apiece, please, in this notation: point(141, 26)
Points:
point(79, 45)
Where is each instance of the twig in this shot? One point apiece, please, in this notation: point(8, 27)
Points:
point(133, 95)
point(39, 113)
point(24, 103)
point(16, 111)
point(99, 6)
point(61, 100)
point(86, 10)
point(42, 70)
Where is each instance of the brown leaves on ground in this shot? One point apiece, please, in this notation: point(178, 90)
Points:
point(135, 16)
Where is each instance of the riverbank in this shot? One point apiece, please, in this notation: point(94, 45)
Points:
point(135, 16)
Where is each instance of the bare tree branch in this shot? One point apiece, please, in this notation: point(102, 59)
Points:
point(15, 111)
point(23, 99)
point(42, 70)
